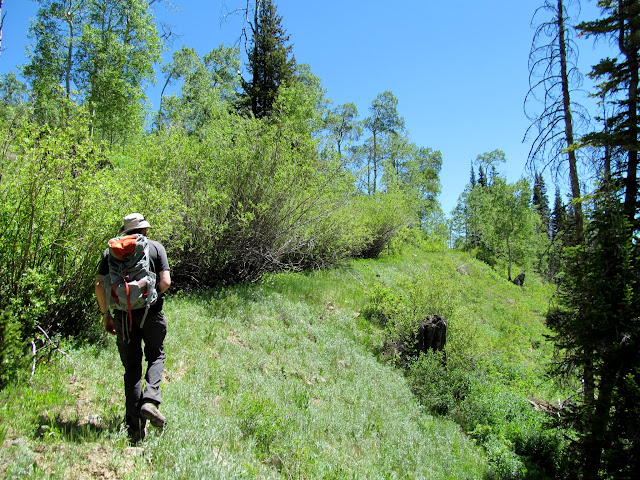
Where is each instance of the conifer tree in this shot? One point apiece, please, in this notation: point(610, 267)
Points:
point(540, 202)
point(270, 60)
point(619, 78)
point(482, 178)
point(596, 324)
point(553, 76)
point(558, 217)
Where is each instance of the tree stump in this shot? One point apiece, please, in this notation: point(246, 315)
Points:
point(519, 280)
point(432, 334)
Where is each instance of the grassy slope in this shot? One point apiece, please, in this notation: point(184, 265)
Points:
point(279, 380)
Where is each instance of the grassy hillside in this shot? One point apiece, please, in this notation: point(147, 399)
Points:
point(286, 380)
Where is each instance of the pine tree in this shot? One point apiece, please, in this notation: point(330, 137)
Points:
point(540, 202)
point(553, 76)
point(270, 61)
point(596, 325)
point(558, 220)
point(482, 178)
point(619, 78)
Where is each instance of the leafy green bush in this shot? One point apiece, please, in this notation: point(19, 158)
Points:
point(61, 198)
point(11, 346)
point(439, 386)
point(255, 198)
point(382, 216)
point(382, 305)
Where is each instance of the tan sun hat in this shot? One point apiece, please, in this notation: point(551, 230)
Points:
point(133, 221)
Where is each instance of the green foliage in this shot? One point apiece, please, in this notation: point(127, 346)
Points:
point(593, 324)
point(499, 220)
point(343, 127)
point(382, 305)
point(207, 88)
point(254, 198)
point(439, 387)
point(492, 363)
point(60, 200)
point(380, 216)
point(13, 98)
point(101, 51)
point(11, 346)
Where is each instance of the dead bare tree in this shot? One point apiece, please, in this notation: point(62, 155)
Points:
point(1, 25)
point(553, 76)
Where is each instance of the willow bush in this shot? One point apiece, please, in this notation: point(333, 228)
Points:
point(256, 199)
point(61, 198)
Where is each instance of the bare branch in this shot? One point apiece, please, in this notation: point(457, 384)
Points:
point(1, 24)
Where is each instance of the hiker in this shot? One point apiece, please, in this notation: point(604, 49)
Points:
point(133, 324)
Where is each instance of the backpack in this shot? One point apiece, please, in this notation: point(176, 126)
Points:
point(130, 283)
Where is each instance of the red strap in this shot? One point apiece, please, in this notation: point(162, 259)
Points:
point(126, 282)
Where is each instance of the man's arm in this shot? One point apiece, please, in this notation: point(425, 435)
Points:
point(164, 281)
point(101, 296)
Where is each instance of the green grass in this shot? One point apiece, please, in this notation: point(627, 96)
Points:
point(285, 380)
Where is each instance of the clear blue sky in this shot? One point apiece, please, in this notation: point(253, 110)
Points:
point(458, 69)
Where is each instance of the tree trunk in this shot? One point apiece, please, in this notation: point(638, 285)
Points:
point(599, 423)
point(568, 124)
point(1, 25)
point(375, 161)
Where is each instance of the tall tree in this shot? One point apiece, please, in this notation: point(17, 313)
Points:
point(118, 49)
point(103, 49)
point(270, 61)
point(422, 176)
point(343, 126)
point(208, 86)
point(558, 217)
point(552, 76)
point(52, 65)
point(384, 119)
point(488, 164)
point(596, 323)
point(502, 217)
point(183, 62)
point(619, 80)
point(540, 202)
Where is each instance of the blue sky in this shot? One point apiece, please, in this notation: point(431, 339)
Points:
point(458, 69)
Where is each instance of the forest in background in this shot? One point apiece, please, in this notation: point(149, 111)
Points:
point(245, 176)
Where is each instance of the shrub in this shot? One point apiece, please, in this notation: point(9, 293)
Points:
point(256, 199)
point(11, 346)
point(382, 216)
point(382, 305)
point(61, 198)
point(439, 386)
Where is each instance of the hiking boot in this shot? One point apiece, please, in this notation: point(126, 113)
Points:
point(151, 413)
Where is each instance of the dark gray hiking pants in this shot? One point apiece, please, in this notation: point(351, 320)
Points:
point(130, 347)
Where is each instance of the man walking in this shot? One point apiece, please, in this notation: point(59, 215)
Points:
point(134, 326)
